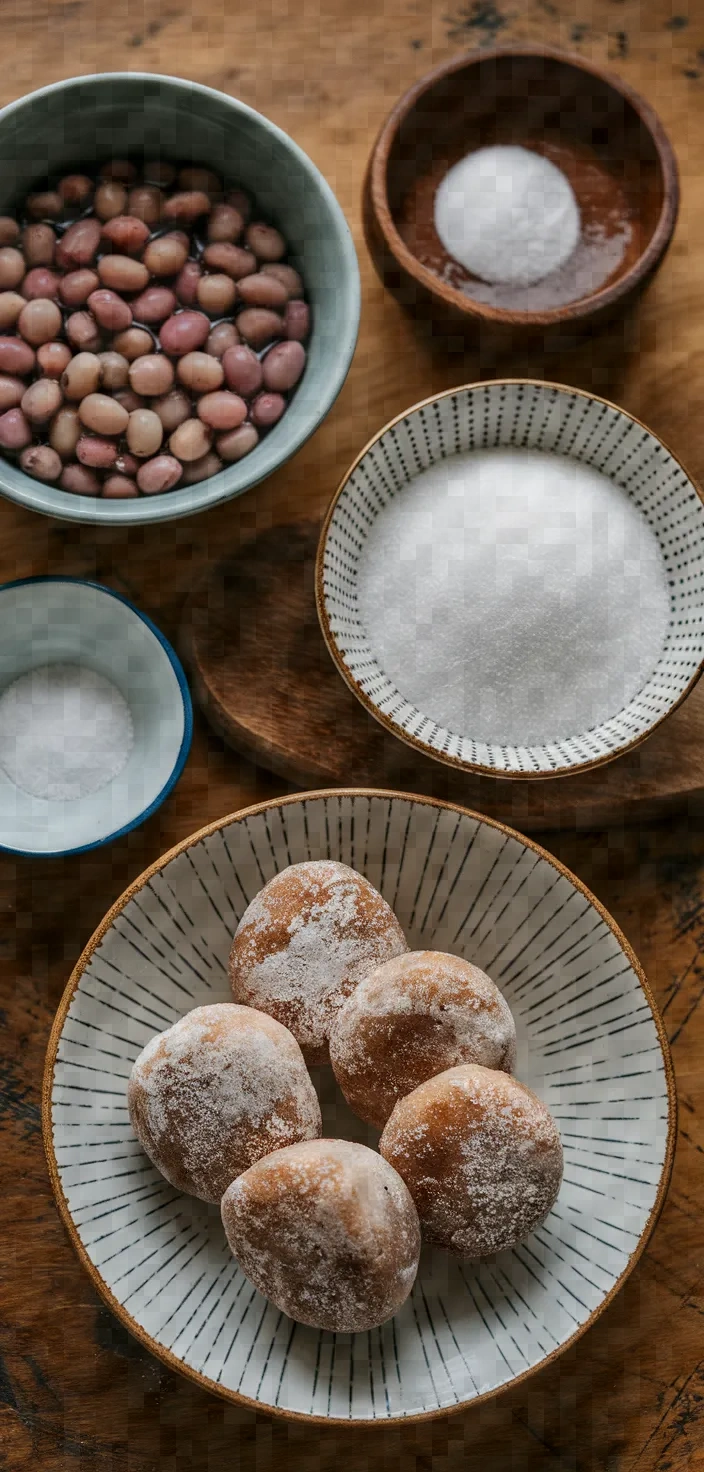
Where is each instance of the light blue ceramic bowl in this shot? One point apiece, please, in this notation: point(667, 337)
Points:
point(67, 621)
point(92, 118)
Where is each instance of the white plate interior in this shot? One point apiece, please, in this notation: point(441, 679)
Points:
point(588, 1045)
point(538, 417)
point(65, 622)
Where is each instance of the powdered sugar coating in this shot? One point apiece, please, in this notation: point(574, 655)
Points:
point(481, 1156)
point(328, 1232)
point(222, 1087)
point(414, 1016)
point(305, 942)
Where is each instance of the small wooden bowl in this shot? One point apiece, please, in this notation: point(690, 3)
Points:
point(606, 139)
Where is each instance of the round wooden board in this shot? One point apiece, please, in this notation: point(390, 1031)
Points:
point(266, 683)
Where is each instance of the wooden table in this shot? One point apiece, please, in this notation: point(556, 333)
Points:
point(75, 1390)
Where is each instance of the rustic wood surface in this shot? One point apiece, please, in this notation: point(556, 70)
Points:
point(75, 1391)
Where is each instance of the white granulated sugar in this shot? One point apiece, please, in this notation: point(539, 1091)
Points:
point(507, 215)
point(515, 597)
point(65, 732)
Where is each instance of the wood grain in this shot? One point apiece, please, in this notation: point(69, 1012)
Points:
point(75, 1392)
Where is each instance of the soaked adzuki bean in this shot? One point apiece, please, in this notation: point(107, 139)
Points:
point(114, 286)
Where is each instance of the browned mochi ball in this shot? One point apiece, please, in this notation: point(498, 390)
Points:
point(219, 1089)
point(305, 942)
point(327, 1231)
point(481, 1157)
point(412, 1017)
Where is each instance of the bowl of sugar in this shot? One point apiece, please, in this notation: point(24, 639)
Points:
point(510, 578)
point(95, 717)
point(518, 189)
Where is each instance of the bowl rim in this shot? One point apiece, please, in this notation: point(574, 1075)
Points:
point(161, 1352)
point(375, 188)
point(321, 603)
point(184, 748)
point(145, 510)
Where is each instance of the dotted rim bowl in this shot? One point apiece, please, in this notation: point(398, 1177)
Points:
point(532, 414)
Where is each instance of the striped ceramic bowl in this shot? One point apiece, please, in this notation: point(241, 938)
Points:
point(590, 1043)
point(532, 415)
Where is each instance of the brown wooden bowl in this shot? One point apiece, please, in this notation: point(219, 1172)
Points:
point(606, 139)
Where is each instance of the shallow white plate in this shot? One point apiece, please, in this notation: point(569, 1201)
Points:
point(590, 1043)
point(538, 416)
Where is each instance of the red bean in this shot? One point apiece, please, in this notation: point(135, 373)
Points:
point(41, 462)
point(147, 203)
point(216, 294)
point(187, 283)
point(103, 415)
point(79, 245)
point(283, 366)
point(80, 480)
point(241, 202)
point(9, 230)
point(225, 223)
point(297, 321)
point(166, 255)
point(65, 432)
point(11, 391)
point(53, 358)
point(266, 242)
point(15, 432)
point(42, 400)
point(126, 234)
point(262, 291)
point(152, 375)
point(243, 371)
point(191, 440)
point(189, 205)
point(200, 372)
point(76, 189)
point(231, 259)
point(39, 321)
point(267, 410)
point(76, 288)
point(46, 206)
point(134, 343)
point(145, 432)
point(110, 200)
point(172, 409)
point(238, 442)
point(38, 244)
point(195, 177)
point(129, 400)
point(222, 337)
point(12, 267)
point(222, 410)
point(16, 356)
point(99, 454)
point(159, 474)
point(40, 282)
point(82, 376)
point(197, 470)
point(286, 275)
point(127, 464)
point(82, 332)
point(159, 172)
point(258, 326)
point(111, 311)
point(122, 273)
point(184, 332)
point(114, 370)
point(119, 488)
point(154, 305)
point(119, 168)
point(11, 304)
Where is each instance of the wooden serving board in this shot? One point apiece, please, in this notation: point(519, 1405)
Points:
point(267, 685)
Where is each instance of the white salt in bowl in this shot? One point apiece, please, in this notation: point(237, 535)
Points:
point(555, 420)
point(590, 1043)
point(60, 621)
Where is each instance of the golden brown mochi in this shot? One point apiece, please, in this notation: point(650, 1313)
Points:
point(219, 1089)
point(481, 1156)
point(327, 1231)
point(413, 1017)
point(305, 942)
